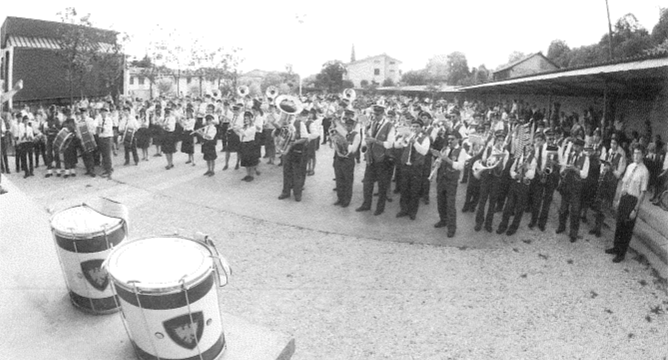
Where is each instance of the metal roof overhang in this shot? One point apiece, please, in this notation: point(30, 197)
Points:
point(637, 79)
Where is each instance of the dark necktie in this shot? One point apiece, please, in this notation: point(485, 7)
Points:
point(540, 158)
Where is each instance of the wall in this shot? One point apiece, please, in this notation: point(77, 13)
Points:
point(533, 65)
point(364, 70)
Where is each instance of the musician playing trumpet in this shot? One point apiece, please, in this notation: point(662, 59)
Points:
point(344, 159)
point(613, 165)
point(415, 146)
point(574, 170)
point(522, 172)
point(546, 179)
point(450, 162)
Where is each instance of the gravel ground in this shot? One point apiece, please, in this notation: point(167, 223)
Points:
point(531, 296)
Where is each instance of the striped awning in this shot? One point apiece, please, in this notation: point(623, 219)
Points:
point(45, 43)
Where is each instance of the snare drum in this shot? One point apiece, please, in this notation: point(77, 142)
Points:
point(62, 140)
point(87, 138)
point(84, 238)
point(166, 288)
point(128, 137)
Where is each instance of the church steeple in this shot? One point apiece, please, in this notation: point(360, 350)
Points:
point(352, 54)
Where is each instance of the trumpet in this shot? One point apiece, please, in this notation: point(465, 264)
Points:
point(437, 163)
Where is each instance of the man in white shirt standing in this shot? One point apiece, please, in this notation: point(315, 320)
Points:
point(105, 132)
point(634, 187)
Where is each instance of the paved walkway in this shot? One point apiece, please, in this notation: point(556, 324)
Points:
point(350, 285)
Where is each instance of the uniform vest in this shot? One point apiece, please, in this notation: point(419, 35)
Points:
point(299, 148)
point(416, 158)
point(350, 138)
point(378, 151)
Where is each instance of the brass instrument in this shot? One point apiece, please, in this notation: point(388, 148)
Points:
point(492, 163)
point(550, 165)
point(437, 163)
point(271, 93)
point(407, 141)
point(523, 168)
point(289, 106)
point(349, 94)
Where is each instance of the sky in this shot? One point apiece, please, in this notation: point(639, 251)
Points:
point(306, 34)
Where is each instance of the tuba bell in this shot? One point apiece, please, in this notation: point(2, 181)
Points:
point(271, 93)
point(349, 94)
point(289, 106)
point(243, 91)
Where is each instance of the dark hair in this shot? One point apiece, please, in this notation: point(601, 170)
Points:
point(640, 147)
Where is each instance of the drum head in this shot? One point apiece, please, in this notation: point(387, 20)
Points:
point(82, 220)
point(159, 265)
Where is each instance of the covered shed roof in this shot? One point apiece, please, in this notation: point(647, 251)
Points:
point(631, 78)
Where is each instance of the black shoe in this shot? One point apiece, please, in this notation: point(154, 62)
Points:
point(560, 229)
point(225, 167)
point(58, 174)
point(337, 203)
point(573, 239)
point(511, 232)
point(73, 175)
point(378, 212)
point(207, 173)
point(298, 198)
point(388, 199)
point(440, 224)
point(618, 258)
point(126, 163)
point(501, 230)
point(92, 175)
point(362, 208)
point(595, 232)
point(451, 233)
point(245, 178)
point(412, 217)
point(65, 176)
point(532, 225)
point(236, 167)
point(583, 219)
point(488, 228)
point(402, 214)
point(541, 227)
point(396, 191)
point(611, 251)
point(47, 175)
point(345, 205)
point(465, 209)
point(477, 227)
point(283, 196)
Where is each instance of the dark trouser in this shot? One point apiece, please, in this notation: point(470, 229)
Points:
point(344, 171)
point(52, 154)
point(467, 171)
point(590, 187)
point(504, 184)
point(104, 145)
point(489, 190)
point(88, 161)
point(4, 161)
point(545, 201)
point(269, 144)
point(39, 149)
point(97, 152)
point(446, 194)
point(624, 228)
point(326, 123)
point(25, 152)
point(537, 193)
point(411, 183)
point(603, 201)
point(294, 171)
point(131, 149)
point(570, 203)
point(472, 193)
point(424, 178)
point(515, 205)
point(380, 172)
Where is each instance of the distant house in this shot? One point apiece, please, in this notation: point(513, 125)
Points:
point(168, 82)
point(528, 65)
point(29, 51)
point(373, 69)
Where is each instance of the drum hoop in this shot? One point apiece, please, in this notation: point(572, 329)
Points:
point(167, 287)
point(70, 233)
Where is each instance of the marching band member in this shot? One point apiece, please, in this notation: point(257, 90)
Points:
point(70, 149)
point(225, 115)
point(450, 163)
point(415, 146)
point(233, 142)
point(208, 134)
point(378, 168)
point(187, 140)
point(594, 151)
point(50, 129)
point(546, 179)
point(248, 149)
point(39, 143)
point(258, 121)
point(5, 138)
point(128, 127)
point(344, 160)
point(143, 133)
point(489, 189)
point(573, 171)
point(314, 129)
point(633, 190)
point(426, 119)
point(24, 140)
point(169, 138)
point(613, 164)
point(86, 156)
point(477, 143)
point(105, 133)
point(268, 131)
point(294, 161)
point(522, 173)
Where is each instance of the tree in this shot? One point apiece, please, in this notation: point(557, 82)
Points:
point(515, 56)
point(660, 30)
point(388, 82)
point(438, 68)
point(76, 48)
point(458, 68)
point(415, 77)
point(559, 52)
point(331, 76)
point(629, 38)
point(364, 83)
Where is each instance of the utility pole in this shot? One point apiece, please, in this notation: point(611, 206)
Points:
point(609, 30)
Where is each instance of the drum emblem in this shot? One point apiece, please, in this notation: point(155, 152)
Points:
point(95, 274)
point(184, 332)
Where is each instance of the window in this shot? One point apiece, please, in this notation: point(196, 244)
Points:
point(391, 62)
point(376, 71)
point(132, 80)
point(189, 80)
point(141, 80)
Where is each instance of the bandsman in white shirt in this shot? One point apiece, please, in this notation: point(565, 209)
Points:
point(128, 127)
point(450, 163)
point(415, 148)
point(633, 190)
point(613, 164)
point(105, 133)
point(345, 148)
point(574, 171)
point(24, 146)
point(522, 172)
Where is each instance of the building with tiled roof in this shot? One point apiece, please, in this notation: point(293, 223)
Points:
point(531, 64)
point(373, 69)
